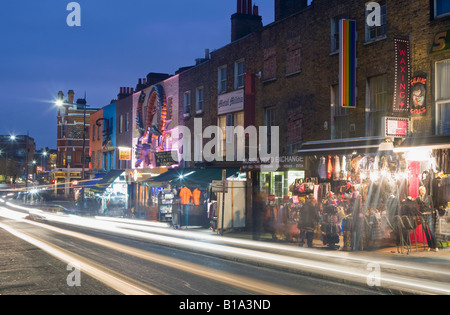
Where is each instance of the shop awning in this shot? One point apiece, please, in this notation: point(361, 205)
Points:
point(192, 177)
point(106, 181)
point(92, 182)
point(426, 142)
point(342, 146)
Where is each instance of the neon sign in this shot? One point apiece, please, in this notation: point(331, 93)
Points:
point(402, 76)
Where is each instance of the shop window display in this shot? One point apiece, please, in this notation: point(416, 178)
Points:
point(365, 201)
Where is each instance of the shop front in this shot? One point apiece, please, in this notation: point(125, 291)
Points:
point(184, 197)
point(428, 176)
point(111, 194)
point(142, 196)
point(371, 191)
point(276, 190)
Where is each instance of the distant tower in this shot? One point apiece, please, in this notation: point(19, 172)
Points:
point(246, 20)
point(285, 8)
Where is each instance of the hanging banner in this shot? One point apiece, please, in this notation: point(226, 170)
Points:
point(347, 63)
point(402, 76)
point(418, 96)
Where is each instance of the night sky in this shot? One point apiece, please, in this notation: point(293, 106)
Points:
point(117, 43)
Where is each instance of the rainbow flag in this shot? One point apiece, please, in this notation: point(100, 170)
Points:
point(347, 63)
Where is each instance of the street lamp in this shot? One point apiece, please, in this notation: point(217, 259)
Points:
point(43, 161)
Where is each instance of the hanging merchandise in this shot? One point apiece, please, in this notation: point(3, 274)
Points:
point(344, 172)
point(185, 195)
point(322, 168)
point(329, 168)
point(337, 168)
point(355, 164)
point(196, 195)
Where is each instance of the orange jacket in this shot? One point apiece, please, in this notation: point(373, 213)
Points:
point(196, 195)
point(185, 195)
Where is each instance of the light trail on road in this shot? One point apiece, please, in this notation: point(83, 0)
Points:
point(144, 232)
point(108, 277)
point(256, 286)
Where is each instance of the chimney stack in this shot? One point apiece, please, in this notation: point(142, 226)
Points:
point(124, 92)
point(70, 95)
point(246, 20)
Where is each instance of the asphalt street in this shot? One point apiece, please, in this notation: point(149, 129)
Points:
point(117, 256)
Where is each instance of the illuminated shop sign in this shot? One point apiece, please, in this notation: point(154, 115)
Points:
point(396, 127)
point(124, 154)
point(418, 96)
point(402, 76)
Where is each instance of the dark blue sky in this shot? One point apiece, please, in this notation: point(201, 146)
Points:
point(118, 42)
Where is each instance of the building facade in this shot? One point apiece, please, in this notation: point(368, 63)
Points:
point(17, 156)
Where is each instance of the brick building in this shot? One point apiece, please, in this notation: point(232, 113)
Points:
point(96, 142)
point(71, 119)
point(124, 132)
point(289, 75)
point(72, 139)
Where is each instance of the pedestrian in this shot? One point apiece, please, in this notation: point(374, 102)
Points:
point(259, 209)
point(426, 210)
point(309, 217)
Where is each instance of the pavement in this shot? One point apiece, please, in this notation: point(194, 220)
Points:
point(419, 265)
point(28, 270)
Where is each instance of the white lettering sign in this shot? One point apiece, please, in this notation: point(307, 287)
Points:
point(230, 102)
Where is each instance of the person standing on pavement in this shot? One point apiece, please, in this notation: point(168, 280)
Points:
point(259, 209)
point(426, 209)
point(309, 217)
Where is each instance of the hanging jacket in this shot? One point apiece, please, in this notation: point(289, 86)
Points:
point(185, 195)
point(329, 168)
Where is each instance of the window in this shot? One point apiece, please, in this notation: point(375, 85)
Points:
point(187, 104)
point(335, 34)
point(99, 132)
point(270, 63)
point(339, 116)
point(441, 8)
point(121, 122)
point(293, 56)
point(269, 121)
point(233, 120)
point(99, 159)
point(239, 74)
point(199, 100)
point(377, 32)
point(222, 80)
point(127, 122)
point(376, 106)
point(93, 159)
point(93, 133)
point(443, 97)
